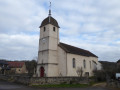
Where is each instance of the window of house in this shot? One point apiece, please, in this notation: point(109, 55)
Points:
point(84, 64)
point(44, 29)
point(54, 29)
point(90, 64)
point(74, 63)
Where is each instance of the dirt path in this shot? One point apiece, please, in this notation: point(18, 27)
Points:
point(103, 84)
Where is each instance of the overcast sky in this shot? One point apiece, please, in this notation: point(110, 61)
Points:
point(93, 25)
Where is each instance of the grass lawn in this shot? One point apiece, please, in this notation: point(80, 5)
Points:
point(62, 85)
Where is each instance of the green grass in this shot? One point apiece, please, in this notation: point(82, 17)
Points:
point(62, 85)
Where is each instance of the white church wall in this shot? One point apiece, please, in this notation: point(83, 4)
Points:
point(48, 38)
point(52, 70)
point(62, 60)
point(49, 31)
point(44, 33)
point(38, 71)
point(72, 71)
point(79, 63)
point(53, 43)
point(53, 56)
point(43, 57)
point(43, 44)
point(52, 33)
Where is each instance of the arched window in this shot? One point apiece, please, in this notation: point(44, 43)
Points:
point(90, 64)
point(84, 63)
point(54, 29)
point(73, 62)
point(44, 29)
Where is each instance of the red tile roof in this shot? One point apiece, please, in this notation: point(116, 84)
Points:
point(15, 64)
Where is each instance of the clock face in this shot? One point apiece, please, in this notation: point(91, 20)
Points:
point(43, 40)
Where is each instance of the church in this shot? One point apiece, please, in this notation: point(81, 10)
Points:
point(57, 59)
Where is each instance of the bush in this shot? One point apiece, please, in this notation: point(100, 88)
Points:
point(100, 75)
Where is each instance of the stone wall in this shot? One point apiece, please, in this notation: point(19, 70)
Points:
point(59, 80)
point(45, 80)
point(16, 78)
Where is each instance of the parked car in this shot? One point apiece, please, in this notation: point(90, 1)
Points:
point(118, 76)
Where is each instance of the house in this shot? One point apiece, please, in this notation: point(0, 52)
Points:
point(18, 67)
point(3, 67)
point(118, 66)
point(59, 59)
point(118, 63)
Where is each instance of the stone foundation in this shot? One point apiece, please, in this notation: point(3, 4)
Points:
point(59, 80)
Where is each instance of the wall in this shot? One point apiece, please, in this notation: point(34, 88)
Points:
point(24, 69)
point(79, 63)
point(45, 80)
point(62, 60)
point(59, 80)
point(20, 70)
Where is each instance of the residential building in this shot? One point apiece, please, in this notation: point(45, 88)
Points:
point(18, 67)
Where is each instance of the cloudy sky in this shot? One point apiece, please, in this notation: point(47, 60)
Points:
point(93, 25)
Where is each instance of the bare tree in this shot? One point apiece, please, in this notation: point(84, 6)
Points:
point(79, 71)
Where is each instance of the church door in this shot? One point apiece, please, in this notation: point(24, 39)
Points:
point(42, 72)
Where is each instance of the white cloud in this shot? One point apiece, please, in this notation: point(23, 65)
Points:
point(19, 16)
point(19, 46)
point(89, 24)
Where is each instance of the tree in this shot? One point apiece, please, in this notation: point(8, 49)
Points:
point(100, 75)
point(79, 71)
point(31, 66)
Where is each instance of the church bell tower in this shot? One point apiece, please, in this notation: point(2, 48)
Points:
point(47, 64)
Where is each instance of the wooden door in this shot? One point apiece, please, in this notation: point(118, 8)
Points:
point(42, 72)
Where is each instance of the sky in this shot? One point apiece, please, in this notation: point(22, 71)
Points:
point(92, 25)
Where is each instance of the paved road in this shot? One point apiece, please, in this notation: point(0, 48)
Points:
point(12, 86)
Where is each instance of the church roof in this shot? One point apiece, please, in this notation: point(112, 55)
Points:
point(76, 50)
point(49, 20)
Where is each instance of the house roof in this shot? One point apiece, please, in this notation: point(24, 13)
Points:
point(76, 50)
point(2, 62)
point(15, 64)
point(118, 61)
point(49, 20)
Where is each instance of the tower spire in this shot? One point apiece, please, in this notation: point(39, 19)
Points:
point(49, 12)
point(50, 9)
